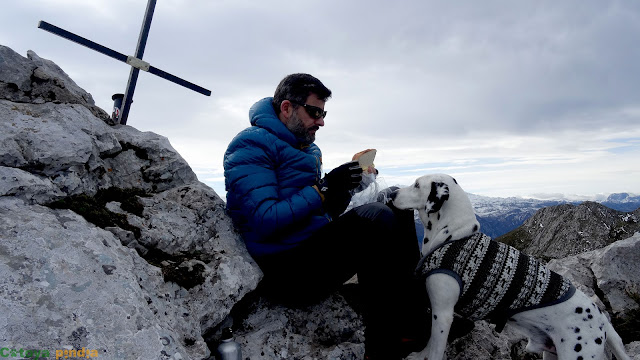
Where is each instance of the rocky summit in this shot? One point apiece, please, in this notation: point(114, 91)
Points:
point(563, 230)
point(110, 246)
point(108, 241)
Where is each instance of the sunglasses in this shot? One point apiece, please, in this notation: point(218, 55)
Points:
point(313, 111)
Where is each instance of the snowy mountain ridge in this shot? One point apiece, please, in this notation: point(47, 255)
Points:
point(488, 206)
point(498, 216)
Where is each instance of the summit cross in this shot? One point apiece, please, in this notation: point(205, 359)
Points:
point(135, 61)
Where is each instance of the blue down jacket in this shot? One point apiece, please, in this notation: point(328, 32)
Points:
point(269, 179)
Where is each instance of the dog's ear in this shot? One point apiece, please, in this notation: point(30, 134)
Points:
point(438, 195)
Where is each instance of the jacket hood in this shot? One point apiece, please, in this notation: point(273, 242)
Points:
point(263, 115)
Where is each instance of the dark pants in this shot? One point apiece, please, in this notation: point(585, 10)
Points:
point(375, 241)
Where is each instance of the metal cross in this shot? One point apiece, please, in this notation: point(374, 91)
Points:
point(136, 61)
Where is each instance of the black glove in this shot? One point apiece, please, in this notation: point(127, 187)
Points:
point(345, 177)
point(336, 187)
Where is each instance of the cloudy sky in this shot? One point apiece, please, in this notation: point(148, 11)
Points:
point(527, 98)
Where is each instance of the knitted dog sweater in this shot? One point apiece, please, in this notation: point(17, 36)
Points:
point(496, 280)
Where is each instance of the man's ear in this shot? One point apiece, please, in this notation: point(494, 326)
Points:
point(286, 109)
point(438, 195)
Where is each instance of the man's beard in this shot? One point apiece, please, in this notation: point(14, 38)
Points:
point(301, 133)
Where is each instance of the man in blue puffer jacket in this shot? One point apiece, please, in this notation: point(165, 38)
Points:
point(289, 215)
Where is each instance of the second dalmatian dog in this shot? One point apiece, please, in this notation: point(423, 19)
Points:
point(479, 278)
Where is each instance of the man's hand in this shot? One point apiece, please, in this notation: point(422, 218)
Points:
point(335, 187)
point(345, 177)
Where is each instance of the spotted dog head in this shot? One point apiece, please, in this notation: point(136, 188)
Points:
point(443, 207)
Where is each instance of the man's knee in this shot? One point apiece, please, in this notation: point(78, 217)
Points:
point(376, 212)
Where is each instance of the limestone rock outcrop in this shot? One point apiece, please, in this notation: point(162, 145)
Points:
point(108, 241)
point(563, 230)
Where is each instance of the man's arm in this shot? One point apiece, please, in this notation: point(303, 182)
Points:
point(251, 176)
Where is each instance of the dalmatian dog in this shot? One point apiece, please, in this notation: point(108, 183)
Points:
point(474, 276)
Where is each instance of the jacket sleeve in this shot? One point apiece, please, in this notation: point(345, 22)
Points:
point(251, 176)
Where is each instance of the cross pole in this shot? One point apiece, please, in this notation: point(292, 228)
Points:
point(136, 61)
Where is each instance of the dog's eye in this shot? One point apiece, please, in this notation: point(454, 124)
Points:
point(416, 185)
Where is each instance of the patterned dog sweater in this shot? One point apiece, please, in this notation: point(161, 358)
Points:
point(496, 280)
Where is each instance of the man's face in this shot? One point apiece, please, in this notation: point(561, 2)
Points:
point(302, 125)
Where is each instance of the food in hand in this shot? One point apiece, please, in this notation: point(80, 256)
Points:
point(365, 159)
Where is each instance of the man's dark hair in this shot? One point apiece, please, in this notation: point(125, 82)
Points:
point(297, 88)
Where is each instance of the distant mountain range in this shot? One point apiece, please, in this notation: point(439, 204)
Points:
point(622, 202)
point(498, 216)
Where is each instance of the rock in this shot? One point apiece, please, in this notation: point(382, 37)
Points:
point(24, 185)
point(80, 154)
point(125, 237)
point(616, 270)
point(39, 81)
point(633, 350)
point(65, 284)
point(559, 231)
point(185, 219)
point(611, 271)
point(578, 270)
point(15, 75)
point(330, 329)
point(70, 262)
point(107, 240)
point(157, 165)
point(49, 128)
point(482, 343)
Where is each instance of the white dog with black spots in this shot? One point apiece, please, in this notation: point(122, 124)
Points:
point(569, 327)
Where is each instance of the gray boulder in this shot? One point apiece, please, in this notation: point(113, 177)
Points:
point(611, 272)
point(67, 284)
point(107, 240)
point(483, 343)
point(81, 154)
point(330, 329)
point(633, 350)
point(39, 81)
point(25, 185)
